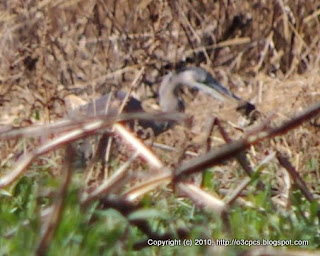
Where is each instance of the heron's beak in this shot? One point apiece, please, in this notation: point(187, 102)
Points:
point(217, 91)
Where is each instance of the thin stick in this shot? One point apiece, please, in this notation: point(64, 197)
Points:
point(53, 221)
point(233, 148)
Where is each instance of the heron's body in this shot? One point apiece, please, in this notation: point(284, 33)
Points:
point(105, 105)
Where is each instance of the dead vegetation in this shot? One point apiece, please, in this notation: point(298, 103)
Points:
point(265, 51)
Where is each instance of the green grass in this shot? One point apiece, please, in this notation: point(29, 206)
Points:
point(95, 231)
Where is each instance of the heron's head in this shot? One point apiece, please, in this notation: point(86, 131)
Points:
point(199, 78)
point(196, 78)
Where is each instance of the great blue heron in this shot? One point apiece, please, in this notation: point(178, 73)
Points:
point(169, 100)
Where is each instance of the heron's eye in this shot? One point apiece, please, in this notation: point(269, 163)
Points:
point(203, 80)
point(200, 78)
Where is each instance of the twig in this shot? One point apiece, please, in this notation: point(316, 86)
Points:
point(201, 197)
point(295, 177)
point(89, 127)
point(110, 184)
point(241, 157)
point(233, 148)
point(217, 156)
point(53, 221)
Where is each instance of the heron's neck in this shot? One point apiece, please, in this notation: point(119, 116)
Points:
point(168, 98)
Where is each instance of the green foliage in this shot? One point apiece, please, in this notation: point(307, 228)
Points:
point(94, 231)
